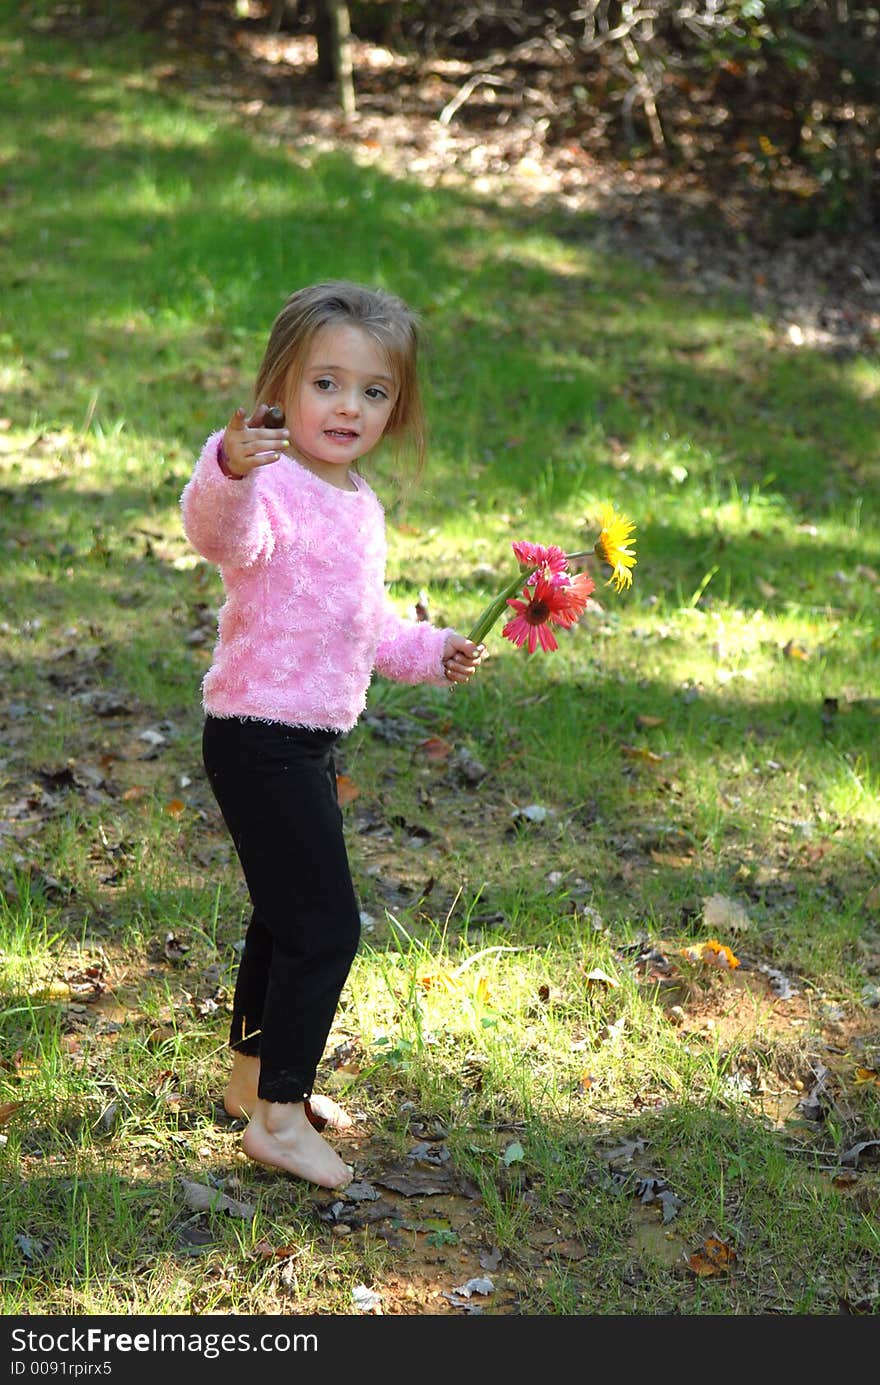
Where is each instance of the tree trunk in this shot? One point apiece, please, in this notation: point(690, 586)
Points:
point(333, 32)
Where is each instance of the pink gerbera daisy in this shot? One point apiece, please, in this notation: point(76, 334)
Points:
point(545, 604)
point(550, 561)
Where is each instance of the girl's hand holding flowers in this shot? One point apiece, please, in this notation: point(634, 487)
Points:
point(461, 658)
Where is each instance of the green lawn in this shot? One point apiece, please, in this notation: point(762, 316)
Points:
point(534, 1022)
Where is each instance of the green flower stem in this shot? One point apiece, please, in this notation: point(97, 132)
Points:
point(497, 607)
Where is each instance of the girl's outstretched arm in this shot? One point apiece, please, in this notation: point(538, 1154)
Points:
point(224, 516)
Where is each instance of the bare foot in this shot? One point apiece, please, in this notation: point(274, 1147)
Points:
point(282, 1136)
point(240, 1097)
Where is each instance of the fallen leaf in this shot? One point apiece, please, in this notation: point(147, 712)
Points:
point(863, 1075)
point(641, 752)
point(264, 1250)
point(361, 1192)
point(779, 982)
point(533, 812)
point(32, 1248)
point(598, 977)
point(793, 650)
point(853, 1155)
point(435, 748)
point(175, 950)
point(175, 807)
point(845, 1179)
point(513, 1154)
point(136, 791)
point(482, 1285)
point(346, 790)
point(713, 953)
point(152, 737)
point(713, 1257)
point(364, 1299)
point(415, 1183)
point(724, 915)
point(570, 1250)
point(482, 994)
point(55, 990)
point(199, 1197)
point(7, 1109)
point(440, 981)
point(647, 722)
point(669, 858)
point(626, 1151)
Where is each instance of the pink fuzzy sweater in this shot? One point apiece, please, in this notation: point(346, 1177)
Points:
point(306, 618)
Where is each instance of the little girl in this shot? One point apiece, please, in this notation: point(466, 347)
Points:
point(300, 540)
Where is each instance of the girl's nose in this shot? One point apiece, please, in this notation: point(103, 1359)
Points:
point(348, 402)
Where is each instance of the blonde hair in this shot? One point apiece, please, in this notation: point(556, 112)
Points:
point(337, 302)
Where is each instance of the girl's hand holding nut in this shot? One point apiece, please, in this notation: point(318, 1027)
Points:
point(255, 441)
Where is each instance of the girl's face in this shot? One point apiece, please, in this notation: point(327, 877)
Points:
point(342, 404)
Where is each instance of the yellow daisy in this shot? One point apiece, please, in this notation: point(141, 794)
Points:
point(611, 547)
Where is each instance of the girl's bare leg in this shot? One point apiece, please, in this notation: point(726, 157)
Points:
point(240, 1097)
point(283, 1137)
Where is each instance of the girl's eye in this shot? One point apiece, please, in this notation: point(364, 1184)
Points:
point(324, 383)
point(374, 392)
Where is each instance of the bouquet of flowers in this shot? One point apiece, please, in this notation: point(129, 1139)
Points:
point(545, 592)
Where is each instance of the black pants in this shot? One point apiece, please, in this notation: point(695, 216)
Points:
point(276, 788)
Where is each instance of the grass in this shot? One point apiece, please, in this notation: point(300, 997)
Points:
point(521, 1008)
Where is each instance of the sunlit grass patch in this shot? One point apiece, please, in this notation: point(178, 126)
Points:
point(536, 1006)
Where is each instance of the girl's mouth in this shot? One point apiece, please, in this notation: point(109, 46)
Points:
point(343, 434)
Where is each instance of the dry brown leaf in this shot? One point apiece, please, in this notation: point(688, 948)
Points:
point(7, 1109)
point(845, 1179)
point(174, 807)
point(435, 748)
point(136, 791)
point(647, 722)
point(793, 650)
point(867, 1076)
point(346, 790)
point(264, 1250)
point(641, 752)
point(598, 977)
point(713, 953)
point(669, 858)
point(570, 1250)
point(713, 1257)
point(482, 992)
point(201, 1198)
point(55, 990)
point(440, 981)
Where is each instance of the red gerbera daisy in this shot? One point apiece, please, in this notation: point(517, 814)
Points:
point(545, 604)
point(573, 599)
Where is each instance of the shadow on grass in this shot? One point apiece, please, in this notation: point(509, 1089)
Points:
point(149, 274)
